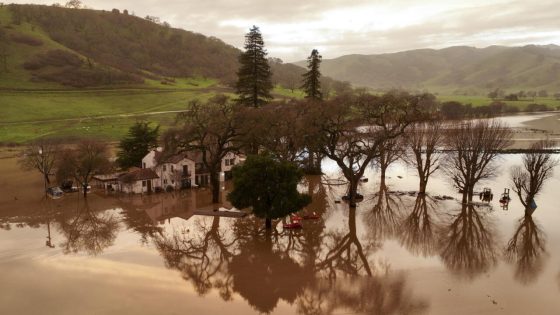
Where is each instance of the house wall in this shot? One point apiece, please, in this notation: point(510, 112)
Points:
point(149, 160)
point(136, 187)
point(169, 176)
point(228, 162)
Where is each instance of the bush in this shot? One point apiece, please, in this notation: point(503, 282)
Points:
point(27, 40)
point(55, 58)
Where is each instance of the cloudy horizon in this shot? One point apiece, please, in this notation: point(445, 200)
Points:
point(291, 28)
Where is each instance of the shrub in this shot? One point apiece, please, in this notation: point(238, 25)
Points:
point(27, 40)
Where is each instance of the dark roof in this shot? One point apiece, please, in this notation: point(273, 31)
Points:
point(175, 158)
point(140, 174)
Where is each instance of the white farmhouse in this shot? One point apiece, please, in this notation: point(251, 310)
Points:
point(138, 181)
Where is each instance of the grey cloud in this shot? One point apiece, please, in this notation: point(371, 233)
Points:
point(514, 22)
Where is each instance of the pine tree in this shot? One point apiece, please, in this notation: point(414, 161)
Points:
point(312, 78)
point(141, 138)
point(254, 76)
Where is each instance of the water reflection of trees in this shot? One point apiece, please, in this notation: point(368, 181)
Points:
point(418, 230)
point(320, 271)
point(202, 255)
point(384, 218)
point(467, 244)
point(86, 230)
point(527, 249)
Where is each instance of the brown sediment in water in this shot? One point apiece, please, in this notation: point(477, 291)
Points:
point(393, 254)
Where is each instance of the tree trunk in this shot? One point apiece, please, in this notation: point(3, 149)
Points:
point(423, 184)
point(84, 187)
point(268, 223)
point(352, 191)
point(215, 183)
point(47, 179)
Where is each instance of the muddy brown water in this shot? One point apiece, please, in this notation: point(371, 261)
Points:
point(394, 254)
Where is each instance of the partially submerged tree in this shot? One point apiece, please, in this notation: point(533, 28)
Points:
point(269, 187)
point(89, 158)
point(254, 76)
point(141, 138)
point(41, 155)
point(538, 166)
point(390, 151)
point(208, 128)
point(473, 147)
point(423, 140)
point(351, 131)
point(312, 78)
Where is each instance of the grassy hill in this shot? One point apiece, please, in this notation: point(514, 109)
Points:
point(454, 70)
point(68, 73)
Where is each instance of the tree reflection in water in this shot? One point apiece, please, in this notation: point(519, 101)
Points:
point(346, 280)
point(384, 218)
point(202, 255)
point(526, 249)
point(466, 244)
point(418, 231)
point(321, 272)
point(87, 230)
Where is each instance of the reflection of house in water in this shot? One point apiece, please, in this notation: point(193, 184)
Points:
point(162, 207)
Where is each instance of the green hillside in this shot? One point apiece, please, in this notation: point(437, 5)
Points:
point(454, 70)
point(68, 72)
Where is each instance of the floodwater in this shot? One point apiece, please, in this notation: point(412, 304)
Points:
point(394, 254)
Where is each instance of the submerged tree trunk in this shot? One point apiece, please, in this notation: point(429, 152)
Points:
point(215, 184)
point(268, 223)
point(84, 187)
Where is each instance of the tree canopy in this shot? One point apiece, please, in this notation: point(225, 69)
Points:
point(269, 187)
point(141, 138)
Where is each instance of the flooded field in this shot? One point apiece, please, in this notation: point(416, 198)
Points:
point(395, 253)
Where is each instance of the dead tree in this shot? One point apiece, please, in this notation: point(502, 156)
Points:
point(473, 147)
point(423, 140)
point(538, 166)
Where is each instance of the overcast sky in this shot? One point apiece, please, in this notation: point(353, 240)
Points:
point(291, 28)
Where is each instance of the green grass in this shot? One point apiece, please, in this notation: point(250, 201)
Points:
point(284, 92)
point(28, 115)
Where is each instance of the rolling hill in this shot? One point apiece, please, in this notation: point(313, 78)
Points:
point(455, 68)
point(50, 46)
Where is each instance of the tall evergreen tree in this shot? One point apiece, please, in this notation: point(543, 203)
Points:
point(312, 78)
point(254, 76)
point(141, 138)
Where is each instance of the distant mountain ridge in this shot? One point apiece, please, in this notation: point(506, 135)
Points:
point(459, 67)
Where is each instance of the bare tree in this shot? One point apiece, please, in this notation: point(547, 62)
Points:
point(423, 141)
point(473, 147)
point(81, 164)
point(41, 155)
point(390, 151)
point(351, 131)
point(208, 128)
point(538, 166)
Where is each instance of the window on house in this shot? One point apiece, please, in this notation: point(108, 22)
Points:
point(172, 181)
point(172, 168)
point(164, 167)
point(232, 161)
point(143, 183)
point(165, 181)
